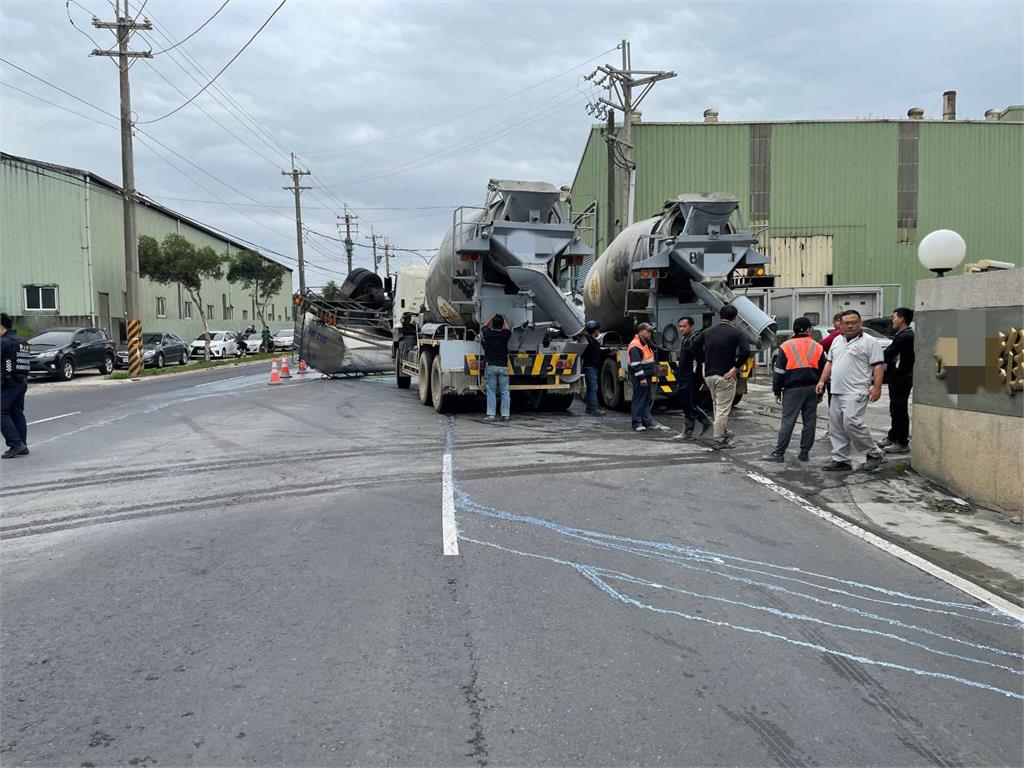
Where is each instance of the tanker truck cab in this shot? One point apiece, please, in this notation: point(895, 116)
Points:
point(497, 259)
point(678, 264)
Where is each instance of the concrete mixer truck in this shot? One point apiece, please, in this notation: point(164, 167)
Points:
point(674, 265)
point(497, 258)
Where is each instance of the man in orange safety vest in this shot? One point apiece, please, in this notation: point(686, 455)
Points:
point(798, 366)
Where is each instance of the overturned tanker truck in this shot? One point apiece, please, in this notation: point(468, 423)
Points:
point(497, 259)
point(670, 266)
point(349, 332)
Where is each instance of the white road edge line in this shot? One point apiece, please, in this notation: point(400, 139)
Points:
point(449, 533)
point(972, 589)
point(54, 418)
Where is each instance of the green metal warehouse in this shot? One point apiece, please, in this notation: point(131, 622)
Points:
point(62, 256)
point(840, 202)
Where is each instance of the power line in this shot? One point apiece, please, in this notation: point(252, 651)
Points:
point(59, 106)
point(222, 69)
point(464, 114)
point(195, 31)
point(58, 88)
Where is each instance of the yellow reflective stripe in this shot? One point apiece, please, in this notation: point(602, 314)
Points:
point(538, 365)
point(553, 365)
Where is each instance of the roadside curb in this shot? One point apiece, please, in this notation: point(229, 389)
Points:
point(102, 381)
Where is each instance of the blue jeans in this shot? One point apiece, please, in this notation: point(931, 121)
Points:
point(590, 374)
point(496, 381)
point(643, 401)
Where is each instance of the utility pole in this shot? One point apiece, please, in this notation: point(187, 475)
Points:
point(621, 84)
point(373, 239)
point(295, 173)
point(609, 137)
point(124, 26)
point(348, 218)
point(387, 259)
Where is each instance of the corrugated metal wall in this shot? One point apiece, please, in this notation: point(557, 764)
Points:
point(842, 180)
point(47, 245)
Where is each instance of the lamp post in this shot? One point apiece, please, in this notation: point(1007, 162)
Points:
point(941, 251)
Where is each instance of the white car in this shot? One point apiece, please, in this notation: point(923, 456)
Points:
point(284, 339)
point(222, 345)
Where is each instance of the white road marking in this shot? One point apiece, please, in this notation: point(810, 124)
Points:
point(972, 589)
point(221, 381)
point(449, 533)
point(54, 418)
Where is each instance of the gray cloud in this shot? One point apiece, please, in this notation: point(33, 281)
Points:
point(333, 75)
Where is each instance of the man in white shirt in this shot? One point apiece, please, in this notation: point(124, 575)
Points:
point(855, 367)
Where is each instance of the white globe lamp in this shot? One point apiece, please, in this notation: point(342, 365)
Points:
point(941, 251)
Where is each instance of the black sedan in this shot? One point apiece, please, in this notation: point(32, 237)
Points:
point(158, 350)
point(59, 352)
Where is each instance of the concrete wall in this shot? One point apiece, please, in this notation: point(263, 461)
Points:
point(968, 421)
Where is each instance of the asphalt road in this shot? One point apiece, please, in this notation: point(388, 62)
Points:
point(205, 570)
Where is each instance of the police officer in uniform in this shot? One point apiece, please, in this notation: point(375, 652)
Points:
point(14, 382)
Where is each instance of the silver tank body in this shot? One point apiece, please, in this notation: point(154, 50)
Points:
point(667, 266)
point(503, 249)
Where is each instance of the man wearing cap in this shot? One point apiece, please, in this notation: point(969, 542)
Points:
point(592, 366)
point(798, 367)
point(642, 367)
point(725, 351)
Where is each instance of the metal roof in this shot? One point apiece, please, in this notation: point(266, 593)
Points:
point(142, 200)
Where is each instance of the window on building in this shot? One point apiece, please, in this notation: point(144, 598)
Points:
point(40, 297)
point(161, 306)
point(270, 313)
point(187, 311)
point(245, 314)
point(209, 311)
point(227, 310)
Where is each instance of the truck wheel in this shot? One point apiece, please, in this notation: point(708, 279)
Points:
point(558, 401)
point(737, 398)
point(423, 377)
point(609, 386)
point(402, 382)
point(442, 403)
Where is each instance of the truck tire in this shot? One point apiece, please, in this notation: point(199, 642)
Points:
point(609, 387)
point(558, 401)
point(402, 382)
point(423, 377)
point(442, 403)
point(737, 398)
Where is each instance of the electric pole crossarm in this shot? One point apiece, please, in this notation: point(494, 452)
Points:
point(129, 54)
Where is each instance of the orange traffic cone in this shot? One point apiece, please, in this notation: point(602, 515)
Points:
point(275, 378)
point(303, 368)
point(285, 373)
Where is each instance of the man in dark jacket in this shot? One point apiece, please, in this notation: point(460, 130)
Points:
point(14, 369)
point(899, 373)
point(592, 366)
point(495, 335)
point(798, 367)
point(689, 354)
point(725, 351)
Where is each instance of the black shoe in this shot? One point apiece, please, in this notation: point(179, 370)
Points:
point(488, 418)
point(688, 433)
point(721, 445)
point(872, 463)
point(774, 457)
point(505, 418)
point(704, 427)
point(838, 466)
point(804, 456)
point(15, 451)
point(598, 412)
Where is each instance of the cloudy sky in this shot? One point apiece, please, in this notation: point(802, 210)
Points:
point(405, 110)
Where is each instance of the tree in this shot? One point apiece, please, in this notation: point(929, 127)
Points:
point(331, 290)
point(261, 277)
point(177, 261)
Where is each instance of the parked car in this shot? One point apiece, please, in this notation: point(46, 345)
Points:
point(882, 325)
point(284, 339)
point(158, 349)
point(59, 352)
point(253, 343)
point(222, 345)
